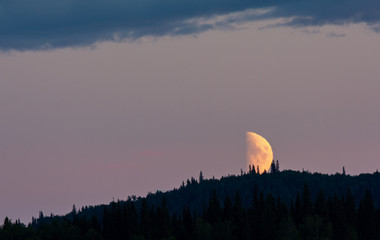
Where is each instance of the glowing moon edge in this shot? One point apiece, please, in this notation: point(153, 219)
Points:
point(259, 152)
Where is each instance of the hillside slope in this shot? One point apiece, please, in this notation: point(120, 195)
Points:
point(286, 185)
point(281, 205)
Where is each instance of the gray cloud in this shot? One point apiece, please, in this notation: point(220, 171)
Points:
point(49, 24)
point(335, 35)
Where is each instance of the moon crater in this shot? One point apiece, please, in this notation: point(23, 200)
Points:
point(259, 152)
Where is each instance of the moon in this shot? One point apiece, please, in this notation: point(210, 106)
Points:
point(259, 152)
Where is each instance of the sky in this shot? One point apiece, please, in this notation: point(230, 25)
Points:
point(100, 100)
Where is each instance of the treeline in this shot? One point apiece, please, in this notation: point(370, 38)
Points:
point(267, 217)
point(285, 184)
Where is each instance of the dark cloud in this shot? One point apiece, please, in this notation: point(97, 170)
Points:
point(46, 24)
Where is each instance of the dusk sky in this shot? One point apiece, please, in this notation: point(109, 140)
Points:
point(106, 99)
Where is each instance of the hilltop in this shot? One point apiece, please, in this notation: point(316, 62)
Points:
point(195, 193)
point(278, 205)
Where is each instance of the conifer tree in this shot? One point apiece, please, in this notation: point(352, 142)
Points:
point(214, 209)
point(144, 220)
point(188, 222)
point(350, 208)
point(277, 166)
point(163, 220)
point(7, 225)
point(239, 218)
point(306, 200)
point(366, 217)
point(297, 214)
point(320, 205)
point(227, 209)
point(273, 167)
point(201, 177)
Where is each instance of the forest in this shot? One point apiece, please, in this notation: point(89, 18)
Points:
point(276, 205)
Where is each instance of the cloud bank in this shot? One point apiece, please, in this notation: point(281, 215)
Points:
point(49, 24)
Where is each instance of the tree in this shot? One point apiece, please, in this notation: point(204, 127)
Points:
point(193, 181)
point(203, 230)
point(277, 166)
point(74, 210)
point(213, 213)
point(227, 209)
point(201, 177)
point(320, 205)
point(41, 216)
point(297, 214)
point(7, 224)
point(313, 228)
point(273, 167)
point(188, 222)
point(95, 225)
point(366, 217)
point(306, 200)
point(144, 220)
point(239, 218)
point(162, 220)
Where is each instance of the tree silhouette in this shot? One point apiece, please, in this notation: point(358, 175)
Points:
point(259, 212)
point(272, 167)
point(201, 178)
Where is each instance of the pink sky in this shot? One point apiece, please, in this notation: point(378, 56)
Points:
point(82, 126)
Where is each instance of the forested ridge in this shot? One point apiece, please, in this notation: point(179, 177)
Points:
point(275, 205)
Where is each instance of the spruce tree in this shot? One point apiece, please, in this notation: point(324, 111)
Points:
point(306, 200)
point(277, 166)
point(272, 167)
point(366, 217)
point(201, 178)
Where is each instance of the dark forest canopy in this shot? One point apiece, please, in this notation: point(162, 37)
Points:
point(276, 205)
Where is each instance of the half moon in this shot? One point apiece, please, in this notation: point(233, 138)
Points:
point(259, 152)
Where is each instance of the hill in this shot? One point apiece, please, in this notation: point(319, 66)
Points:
point(285, 185)
point(277, 205)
